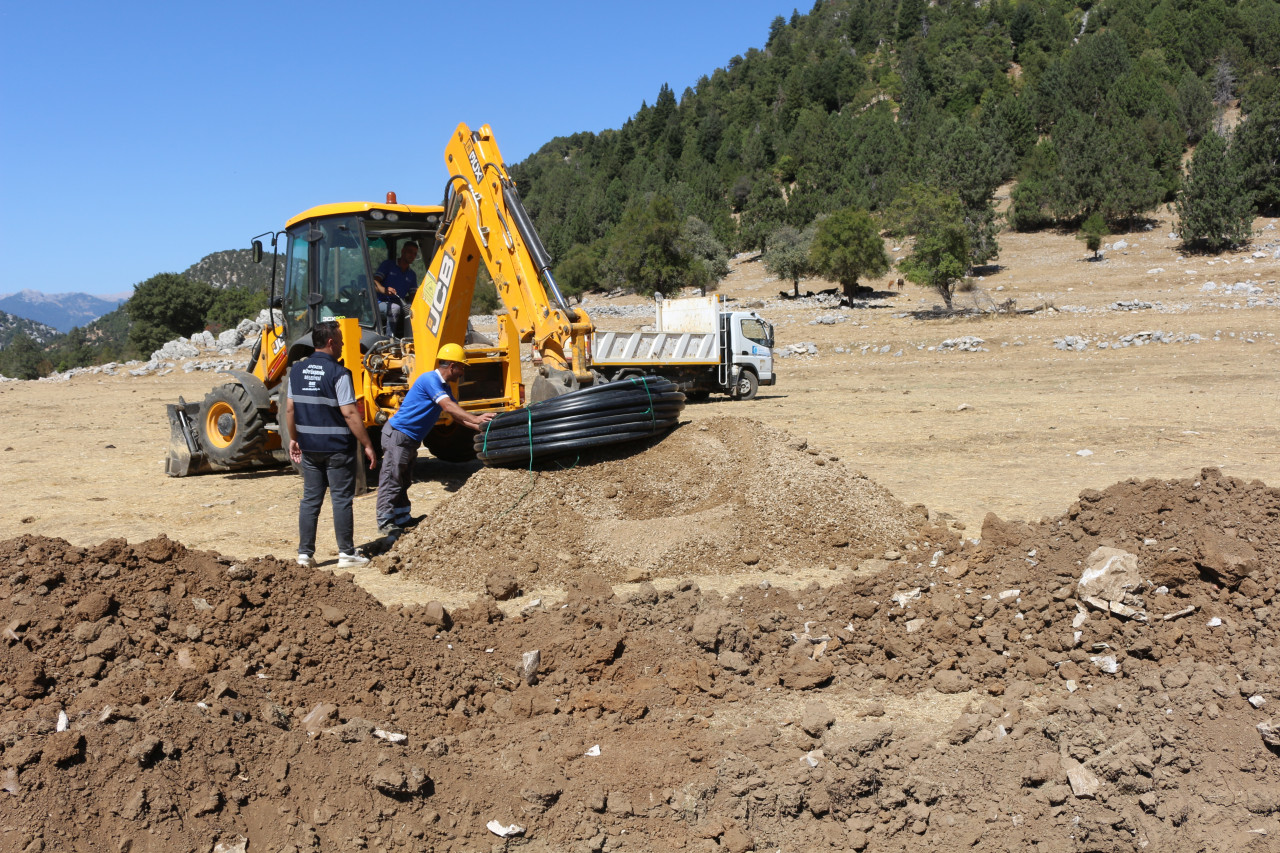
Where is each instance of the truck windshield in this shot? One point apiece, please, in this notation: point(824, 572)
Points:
point(757, 331)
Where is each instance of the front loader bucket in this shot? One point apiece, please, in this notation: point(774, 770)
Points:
point(552, 382)
point(185, 456)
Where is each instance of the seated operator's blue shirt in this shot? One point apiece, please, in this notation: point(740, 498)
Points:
point(404, 281)
point(421, 407)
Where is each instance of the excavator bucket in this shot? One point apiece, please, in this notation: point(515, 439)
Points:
point(551, 382)
point(185, 455)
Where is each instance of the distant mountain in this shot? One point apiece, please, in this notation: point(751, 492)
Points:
point(233, 268)
point(62, 311)
point(11, 325)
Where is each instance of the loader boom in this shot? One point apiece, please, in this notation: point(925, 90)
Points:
point(485, 222)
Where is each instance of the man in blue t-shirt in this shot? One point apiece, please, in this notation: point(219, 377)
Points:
point(422, 406)
point(396, 284)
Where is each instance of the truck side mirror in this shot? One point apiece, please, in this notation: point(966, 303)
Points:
point(257, 251)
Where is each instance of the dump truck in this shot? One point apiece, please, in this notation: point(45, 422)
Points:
point(330, 255)
point(697, 342)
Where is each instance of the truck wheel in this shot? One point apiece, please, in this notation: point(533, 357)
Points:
point(747, 385)
point(233, 431)
point(452, 443)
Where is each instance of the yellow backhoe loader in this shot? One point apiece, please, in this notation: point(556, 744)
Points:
point(330, 255)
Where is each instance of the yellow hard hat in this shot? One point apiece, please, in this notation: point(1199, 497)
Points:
point(451, 352)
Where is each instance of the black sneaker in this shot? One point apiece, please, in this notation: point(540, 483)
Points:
point(390, 528)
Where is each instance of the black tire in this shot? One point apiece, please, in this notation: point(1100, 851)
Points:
point(748, 385)
point(282, 455)
point(233, 432)
point(452, 443)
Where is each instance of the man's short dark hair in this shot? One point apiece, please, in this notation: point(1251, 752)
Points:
point(324, 332)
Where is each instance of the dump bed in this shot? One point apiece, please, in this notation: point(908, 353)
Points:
point(674, 348)
point(686, 332)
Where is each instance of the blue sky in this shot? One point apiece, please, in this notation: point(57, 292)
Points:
point(137, 137)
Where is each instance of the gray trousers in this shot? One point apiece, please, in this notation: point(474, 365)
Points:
point(334, 472)
point(399, 452)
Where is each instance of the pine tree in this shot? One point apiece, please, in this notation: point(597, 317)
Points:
point(1214, 208)
point(21, 358)
point(1092, 232)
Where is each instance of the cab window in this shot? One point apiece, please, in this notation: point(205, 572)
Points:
point(342, 278)
point(758, 332)
point(297, 285)
point(387, 241)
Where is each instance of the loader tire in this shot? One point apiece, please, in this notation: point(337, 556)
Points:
point(747, 386)
point(453, 443)
point(232, 430)
point(282, 455)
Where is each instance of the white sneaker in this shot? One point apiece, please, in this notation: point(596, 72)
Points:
point(349, 561)
point(306, 561)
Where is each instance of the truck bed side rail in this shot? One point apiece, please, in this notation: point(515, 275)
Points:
point(610, 348)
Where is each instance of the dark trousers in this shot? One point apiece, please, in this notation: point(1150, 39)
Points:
point(393, 311)
point(336, 473)
point(399, 452)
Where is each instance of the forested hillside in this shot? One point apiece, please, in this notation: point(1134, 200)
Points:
point(233, 268)
point(865, 117)
point(883, 105)
point(12, 326)
point(216, 293)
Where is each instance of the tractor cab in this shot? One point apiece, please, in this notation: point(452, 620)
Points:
point(332, 255)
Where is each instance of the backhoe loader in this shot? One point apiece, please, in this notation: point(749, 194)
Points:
point(329, 257)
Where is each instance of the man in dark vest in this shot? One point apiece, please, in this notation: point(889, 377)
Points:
point(324, 426)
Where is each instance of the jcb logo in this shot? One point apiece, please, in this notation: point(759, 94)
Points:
point(441, 293)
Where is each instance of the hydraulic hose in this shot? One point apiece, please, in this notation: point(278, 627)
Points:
point(609, 413)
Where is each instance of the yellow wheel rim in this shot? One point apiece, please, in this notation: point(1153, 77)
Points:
point(220, 424)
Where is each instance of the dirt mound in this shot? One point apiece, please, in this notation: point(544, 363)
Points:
point(157, 698)
point(710, 498)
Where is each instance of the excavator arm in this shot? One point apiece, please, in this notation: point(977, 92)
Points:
point(486, 222)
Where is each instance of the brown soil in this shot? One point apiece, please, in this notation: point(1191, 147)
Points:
point(770, 650)
point(712, 498)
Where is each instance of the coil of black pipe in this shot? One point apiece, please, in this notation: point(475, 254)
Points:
point(630, 409)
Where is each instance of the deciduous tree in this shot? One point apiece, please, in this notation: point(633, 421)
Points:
point(940, 256)
point(167, 306)
point(846, 247)
point(786, 255)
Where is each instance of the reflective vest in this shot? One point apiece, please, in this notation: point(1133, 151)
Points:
point(316, 413)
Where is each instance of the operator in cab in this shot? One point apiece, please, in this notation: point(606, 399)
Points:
point(403, 433)
point(396, 284)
